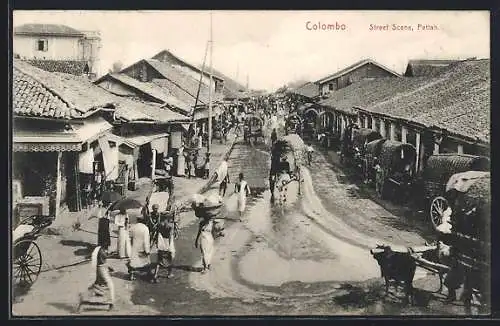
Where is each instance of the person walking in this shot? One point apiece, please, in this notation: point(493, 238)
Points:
point(181, 162)
point(103, 286)
point(222, 176)
point(103, 235)
point(243, 190)
point(122, 222)
point(205, 240)
point(309, 151)
point(141, 249)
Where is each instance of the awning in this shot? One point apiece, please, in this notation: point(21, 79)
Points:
point(140, 140)
point(91, 129)
point(60, 141)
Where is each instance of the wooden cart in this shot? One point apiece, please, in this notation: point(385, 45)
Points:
point(354, 143)
point(470, 238)
point(397, 168)
point(435, 175)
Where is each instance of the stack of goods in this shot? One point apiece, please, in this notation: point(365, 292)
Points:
point(206, 206)
point(296, 144)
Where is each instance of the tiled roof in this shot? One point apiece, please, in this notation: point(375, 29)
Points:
point(366, 93)
point(131, 111)
point(73, 67)
point(55, 95)
point(309, 90)
point(168, 57)
point(159, 93)
point(427, 68)
point(355, 66)
point(40, 93)
point(46, 29)
point(182, 81)
point(459, 101)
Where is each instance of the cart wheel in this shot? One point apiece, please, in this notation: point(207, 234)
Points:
point(438, 206)
point(27, 263)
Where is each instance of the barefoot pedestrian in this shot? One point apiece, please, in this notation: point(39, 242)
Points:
point(243, 190)
point(205, 240)
point(122, 222)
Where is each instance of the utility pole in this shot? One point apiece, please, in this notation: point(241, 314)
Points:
point(210, 90)
point(247, 82)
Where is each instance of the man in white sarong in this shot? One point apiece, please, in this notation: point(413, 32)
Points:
point(141, 249)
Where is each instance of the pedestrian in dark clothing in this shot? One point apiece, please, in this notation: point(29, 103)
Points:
point(103, 234)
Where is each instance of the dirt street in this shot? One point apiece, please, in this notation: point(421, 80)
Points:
point(309, 257)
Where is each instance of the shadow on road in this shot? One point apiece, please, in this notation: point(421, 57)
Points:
point(85, 251)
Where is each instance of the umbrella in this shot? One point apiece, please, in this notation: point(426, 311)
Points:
point(133, 207)
point(127, 203)
point(110, 196)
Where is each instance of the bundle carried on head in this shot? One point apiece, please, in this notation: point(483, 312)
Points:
point(206, 206)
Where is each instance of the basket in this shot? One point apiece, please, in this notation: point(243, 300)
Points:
point(207, 211)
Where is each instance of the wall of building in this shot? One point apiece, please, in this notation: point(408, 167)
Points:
point(117, 88)
point(142, 72)
point(58, 48)
point(366, 71)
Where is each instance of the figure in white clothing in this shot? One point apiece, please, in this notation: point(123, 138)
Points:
point(181, 162)
point(122, 222)
point(205, 241)
point(242, 190)
point(222, 176)
point(141, 249)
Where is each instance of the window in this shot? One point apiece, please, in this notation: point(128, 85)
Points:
point(218, 86)
point(42, 45)
point(330, 87)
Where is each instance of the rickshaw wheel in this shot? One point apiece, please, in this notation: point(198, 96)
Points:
point(436, 211)
point(27, 263)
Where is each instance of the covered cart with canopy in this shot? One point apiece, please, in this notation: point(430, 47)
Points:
point(253, 128)
point(396, 170)
point(470, 236)
point(354, 142)
point(437, 172)
point(292, 148)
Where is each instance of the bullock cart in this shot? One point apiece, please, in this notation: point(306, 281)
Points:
point(291, 148)
point(353, 145)
point(395, 168)
point(253, 128)
point(436, 174)
point(470, 238)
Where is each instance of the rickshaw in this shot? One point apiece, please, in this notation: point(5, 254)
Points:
point(470, 237)
point(292, 148)
point(253, 128)
point(435, 175)
point(396, 168)
point(26, 254)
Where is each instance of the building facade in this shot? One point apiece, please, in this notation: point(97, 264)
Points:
point(364, 69)
point(48, 46)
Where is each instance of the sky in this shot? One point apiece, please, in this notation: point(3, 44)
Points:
point(272, 48)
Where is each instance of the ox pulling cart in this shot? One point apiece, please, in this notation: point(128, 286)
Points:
point(253, 128)
point(287, 157)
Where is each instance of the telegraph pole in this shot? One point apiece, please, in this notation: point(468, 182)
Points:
point(210, 90)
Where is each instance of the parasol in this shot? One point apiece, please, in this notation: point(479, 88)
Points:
point(127, 203)
point(109, 197)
